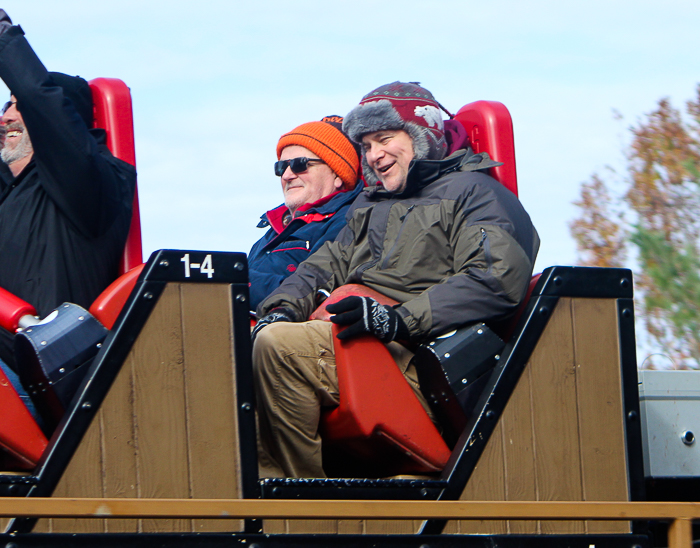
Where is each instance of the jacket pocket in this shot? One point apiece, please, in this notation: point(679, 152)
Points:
point(294, 245)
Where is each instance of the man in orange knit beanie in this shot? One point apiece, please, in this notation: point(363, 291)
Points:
point(318, 168)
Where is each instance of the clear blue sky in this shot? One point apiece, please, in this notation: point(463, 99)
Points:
point(215, 83)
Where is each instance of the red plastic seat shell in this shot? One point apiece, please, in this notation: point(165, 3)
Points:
point(111, 100)
point(20, 436)
point(377, 407)
point(490, 129)
point(12, 309)
point(109, 304)
point(348, 290)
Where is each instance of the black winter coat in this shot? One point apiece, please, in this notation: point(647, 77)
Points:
point(64, 219)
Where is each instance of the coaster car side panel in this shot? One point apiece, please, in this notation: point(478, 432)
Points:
point(559, 418)
point(167, 404)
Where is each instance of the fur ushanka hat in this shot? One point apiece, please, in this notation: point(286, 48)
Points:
point(405, 106)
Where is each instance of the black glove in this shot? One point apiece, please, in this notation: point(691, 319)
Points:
point(5, 21)
point(365, 315)
point(275, 315)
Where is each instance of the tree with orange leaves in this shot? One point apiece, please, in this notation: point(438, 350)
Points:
point(662, 196)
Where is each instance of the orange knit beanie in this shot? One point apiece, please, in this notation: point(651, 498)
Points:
point(329, 143)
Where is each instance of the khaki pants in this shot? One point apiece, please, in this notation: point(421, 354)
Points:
point(294, 372)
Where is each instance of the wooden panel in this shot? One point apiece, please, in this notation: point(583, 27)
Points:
point(343, 527)
point(518, 448)
point(555, 420)
point(487, 483)
point(159, 409)
point(3, 523)
point(211, 402)
point(600, 407)
point(325, 526)
point(82, 478)
point(351, 527)
point(533, 453)
point(391, 527)
point(119, 447)
point(167, 427)
point(275, 526)
point(312, 526)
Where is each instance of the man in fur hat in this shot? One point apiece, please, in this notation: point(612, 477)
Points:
point(66, 209)
point(432, 231)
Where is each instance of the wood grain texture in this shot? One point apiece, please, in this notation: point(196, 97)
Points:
point(555, 420)
point(119, 448)
point(519, 451)
point(159, 407)
point(325, 526)
point(209, 368)
point(275, 526)
point(390, 527)
point(600, 407)
point(167, 427)
point(561, 434)
point(351, 527)
point(487, 483)
point(82, 478)
point(312, 526)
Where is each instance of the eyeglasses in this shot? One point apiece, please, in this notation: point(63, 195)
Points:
point(7, 106)
point(297, 165)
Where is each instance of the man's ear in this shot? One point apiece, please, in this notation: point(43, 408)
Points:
point(338, 183)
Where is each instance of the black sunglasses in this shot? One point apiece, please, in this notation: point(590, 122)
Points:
point(7, 106)
point(297, 165)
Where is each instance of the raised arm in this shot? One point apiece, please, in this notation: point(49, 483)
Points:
point(79, 174)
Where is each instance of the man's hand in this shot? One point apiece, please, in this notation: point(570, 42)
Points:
point(365, 315)
point(275, 315)
point(5, 21)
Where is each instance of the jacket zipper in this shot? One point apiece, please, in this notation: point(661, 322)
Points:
point(487, 249)
point(398, 236)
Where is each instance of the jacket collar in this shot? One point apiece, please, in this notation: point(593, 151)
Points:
point(421, 173)
point(323, 208)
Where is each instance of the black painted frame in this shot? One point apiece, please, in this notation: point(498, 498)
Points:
point(554, 283)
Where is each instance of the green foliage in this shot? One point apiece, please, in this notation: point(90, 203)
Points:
point(675, 273)
point(661, 199)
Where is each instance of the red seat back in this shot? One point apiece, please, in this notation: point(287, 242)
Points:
point(112, 110)
point(490, 129)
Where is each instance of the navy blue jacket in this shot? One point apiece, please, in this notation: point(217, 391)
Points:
point(277, 254)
